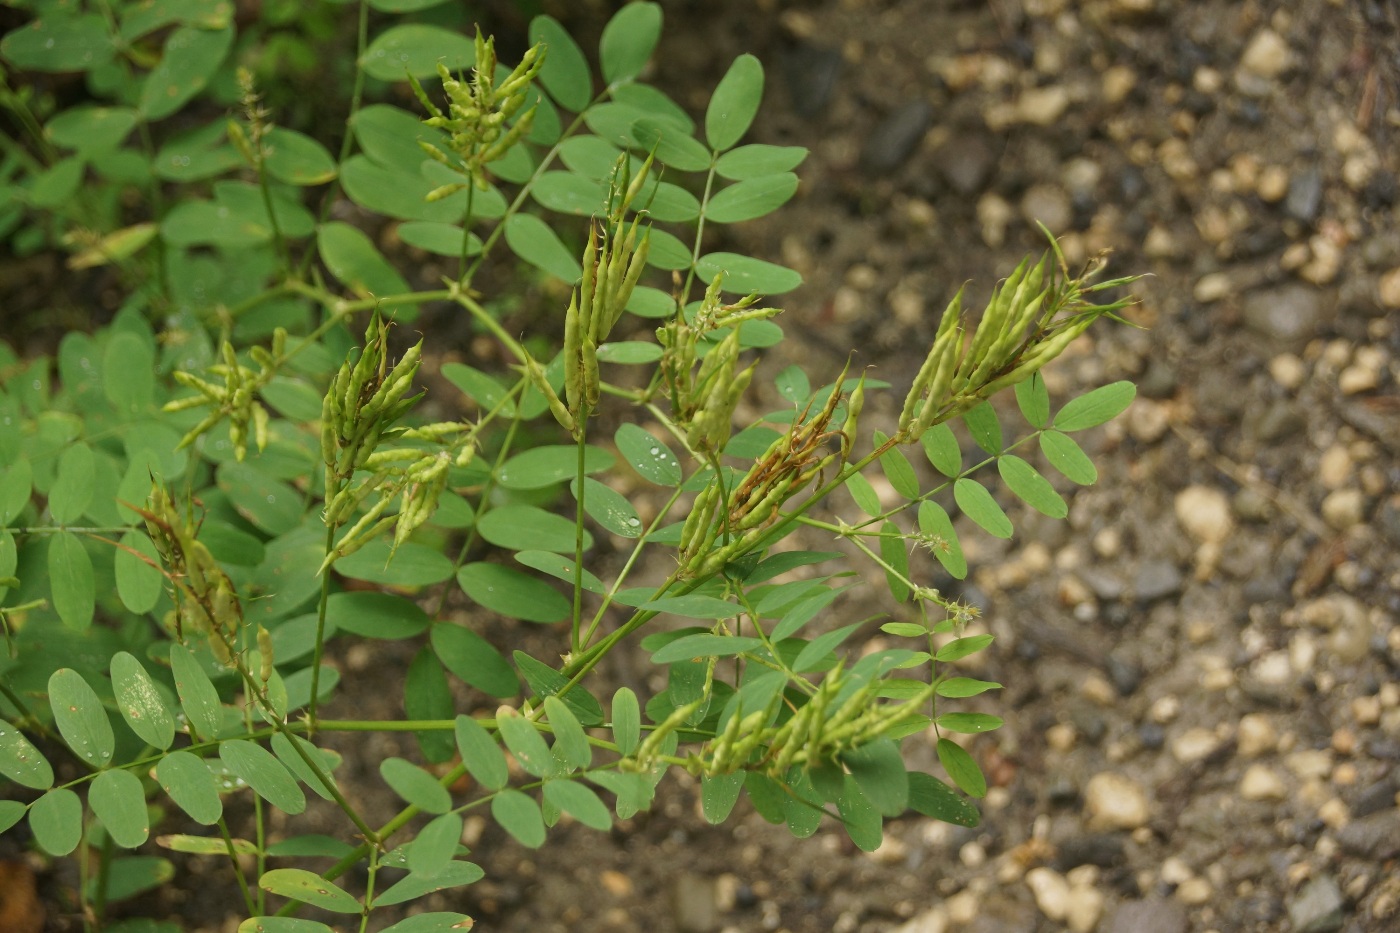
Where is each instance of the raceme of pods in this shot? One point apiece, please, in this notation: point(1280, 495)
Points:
point(478, 114)
point(236, 399)
point(1030, 319)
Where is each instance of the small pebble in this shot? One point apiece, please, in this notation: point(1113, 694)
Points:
point(1115, 801)
point(1267, 55)
point(1042, 106)
point(1288, 371)
point(1051, 892)
point(1261, 783)
point(1204, 513)
point(1255, 736)
point(1194, 745)
point(1212, 287)
point(1389, 289)
point(1344, 508)
point(1194, 891)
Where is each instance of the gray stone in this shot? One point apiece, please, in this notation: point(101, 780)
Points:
point(1375, 837)
point(1317, 908)
point(1289, 313)
point(1102, 849)
point(965, 162)
point(811, 72)
point(1153, 915)
point(694, 904)
point(1379, 796)
point(1304, 195)
point(896, 137)
point(1156, 579)
point(1104, 583)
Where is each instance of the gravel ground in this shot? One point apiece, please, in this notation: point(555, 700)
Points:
point(1203, 710)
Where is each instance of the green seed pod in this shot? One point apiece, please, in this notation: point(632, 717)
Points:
point(573, 349)
point(854, 405)
point(556, 407)
point(265, 654)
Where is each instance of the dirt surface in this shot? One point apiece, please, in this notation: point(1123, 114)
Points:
point(1203, 713)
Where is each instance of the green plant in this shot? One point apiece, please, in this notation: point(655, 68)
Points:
point(182, 507)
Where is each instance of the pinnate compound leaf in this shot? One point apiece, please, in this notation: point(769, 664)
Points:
point(744, 275)
point(694, 606)
point(1034, 400)
point(959, 648)
point(528, 527)
point(750, 199)
point(267, 502)
point(21, 762)
point(937, 527)
point(718, 794)
point(139, 582)
point(548, 464)
point(860, 818)
point(353, 259)
point(376, 615)
point(972, 723)
point(866, 499)
point(190, 58)
point(480, 753)
point(259, 769)
point(1094, 408)
point(936, 800)
point(626, 721)
point(894, 553)
point(757, 160)
point(140, 702)
point(309, 888)
point(544, 681)
point(436, 922)
point(72, 489)
point(297, 159)
point(474, 660)
point(325, 759)
point(525, 742)
point(580, 802)
point(11, 812)
point(962, 768)
point(1032, 488)
point(451, 875)
point(958, 687)
point(609, 508)
point(559, 567)
point(426, 695)
point(898, 470)
point(416, 49)
point(512, 593)
point(59, 43)
point(119, 801)
point(431, 852)
point(628, 40)
point(570, 741)
point(878, 770)
point(984, 426)
point(673, 146)
point(734, 102)
point(80, 718)
point(535, 241)
point(565, 73)
point(942, 450)
point(1064, 454)
point(188, 781)
point(415, 785)
point(56, 819)
point(519, 815)
point(70, 576)
point(651, 458)
point(198, 697)
point(282, 925)
point(977, 504)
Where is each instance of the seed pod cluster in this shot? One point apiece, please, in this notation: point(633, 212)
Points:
point(478, 114)
point(1031, 318)
point(206, 602)
point(236, 399)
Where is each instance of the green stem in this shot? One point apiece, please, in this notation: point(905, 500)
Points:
point(576, 625)
point(320, 637)
point(237, 869)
